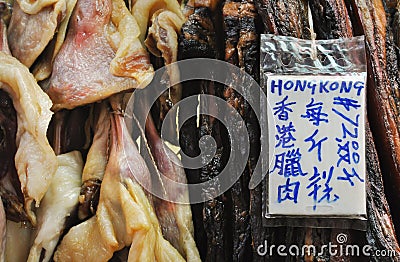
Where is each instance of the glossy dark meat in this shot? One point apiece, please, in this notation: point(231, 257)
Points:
point(382, 112)
point(380, 232)
point(241, 49)
point(284, 17)
point(331, 19)
point(199, 39)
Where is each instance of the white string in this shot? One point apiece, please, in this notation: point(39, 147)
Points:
point(313, 35)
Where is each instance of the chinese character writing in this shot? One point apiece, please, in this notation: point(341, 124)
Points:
point(316, 193)
point(288, 163)
point(344, 152)
point(314, 113)
point(288, 191)
point(282, 109)
point(316, 144)
point(348, 176)
point(285, 136)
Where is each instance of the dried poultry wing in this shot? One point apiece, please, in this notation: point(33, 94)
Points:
point(29, 33)
point(100, 56)
point(58, 203)
point(124, 215)
point(35, 160)
point(175, 218)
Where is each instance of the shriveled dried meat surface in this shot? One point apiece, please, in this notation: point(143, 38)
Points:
point(124, 215)
point(96, 162)
point(35, 160)
point(18, 241)
point(175, 218)
point(101, 55)
point(29, 34)
point(58, 203)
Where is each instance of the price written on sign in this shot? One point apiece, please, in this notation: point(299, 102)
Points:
point(317, 147)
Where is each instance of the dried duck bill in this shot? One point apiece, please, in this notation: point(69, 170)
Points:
point(83, 68)
point(331, 19)
point(44, 64)
point(57, 205)
point(383, 119)
point(96, 163)
point(124, 216)
point(35, 160)
point(175, 219)
point(29, 34)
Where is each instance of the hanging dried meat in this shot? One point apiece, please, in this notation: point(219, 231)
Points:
point(241, 39)
point(175, 218)
point(35, 160)
point(58, 204)
point(96, 162)
point(99, 58)
point(124, 216)
point(32, 27)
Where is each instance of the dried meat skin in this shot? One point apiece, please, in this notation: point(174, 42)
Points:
point(175, 218)
point(96, 162)
point(283, 17)
point(29, 34)
point(124, 216)
point(331, 19)
point(241, 41)
point(99, 58)
point(382, 117)
point(380, 231)
point(35, 160)
point(57, 205)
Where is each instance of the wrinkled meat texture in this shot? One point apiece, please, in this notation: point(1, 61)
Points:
point(58, 203)
point(35, 160)
point(284, 17)
point(10, 187)
point(28, 34)
point(100, 56)
point(96, 162)
point(44, 64)
point(162, 40)
point(143, 11)
point(18, 242)
point(175, 218)
point(124, 216)
point(3, 38)
point(331, 19)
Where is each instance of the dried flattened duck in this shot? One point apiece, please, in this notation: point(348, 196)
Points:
point(101, 55)
point(124, 216)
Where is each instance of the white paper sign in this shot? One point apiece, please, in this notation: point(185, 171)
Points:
point(317, 148)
